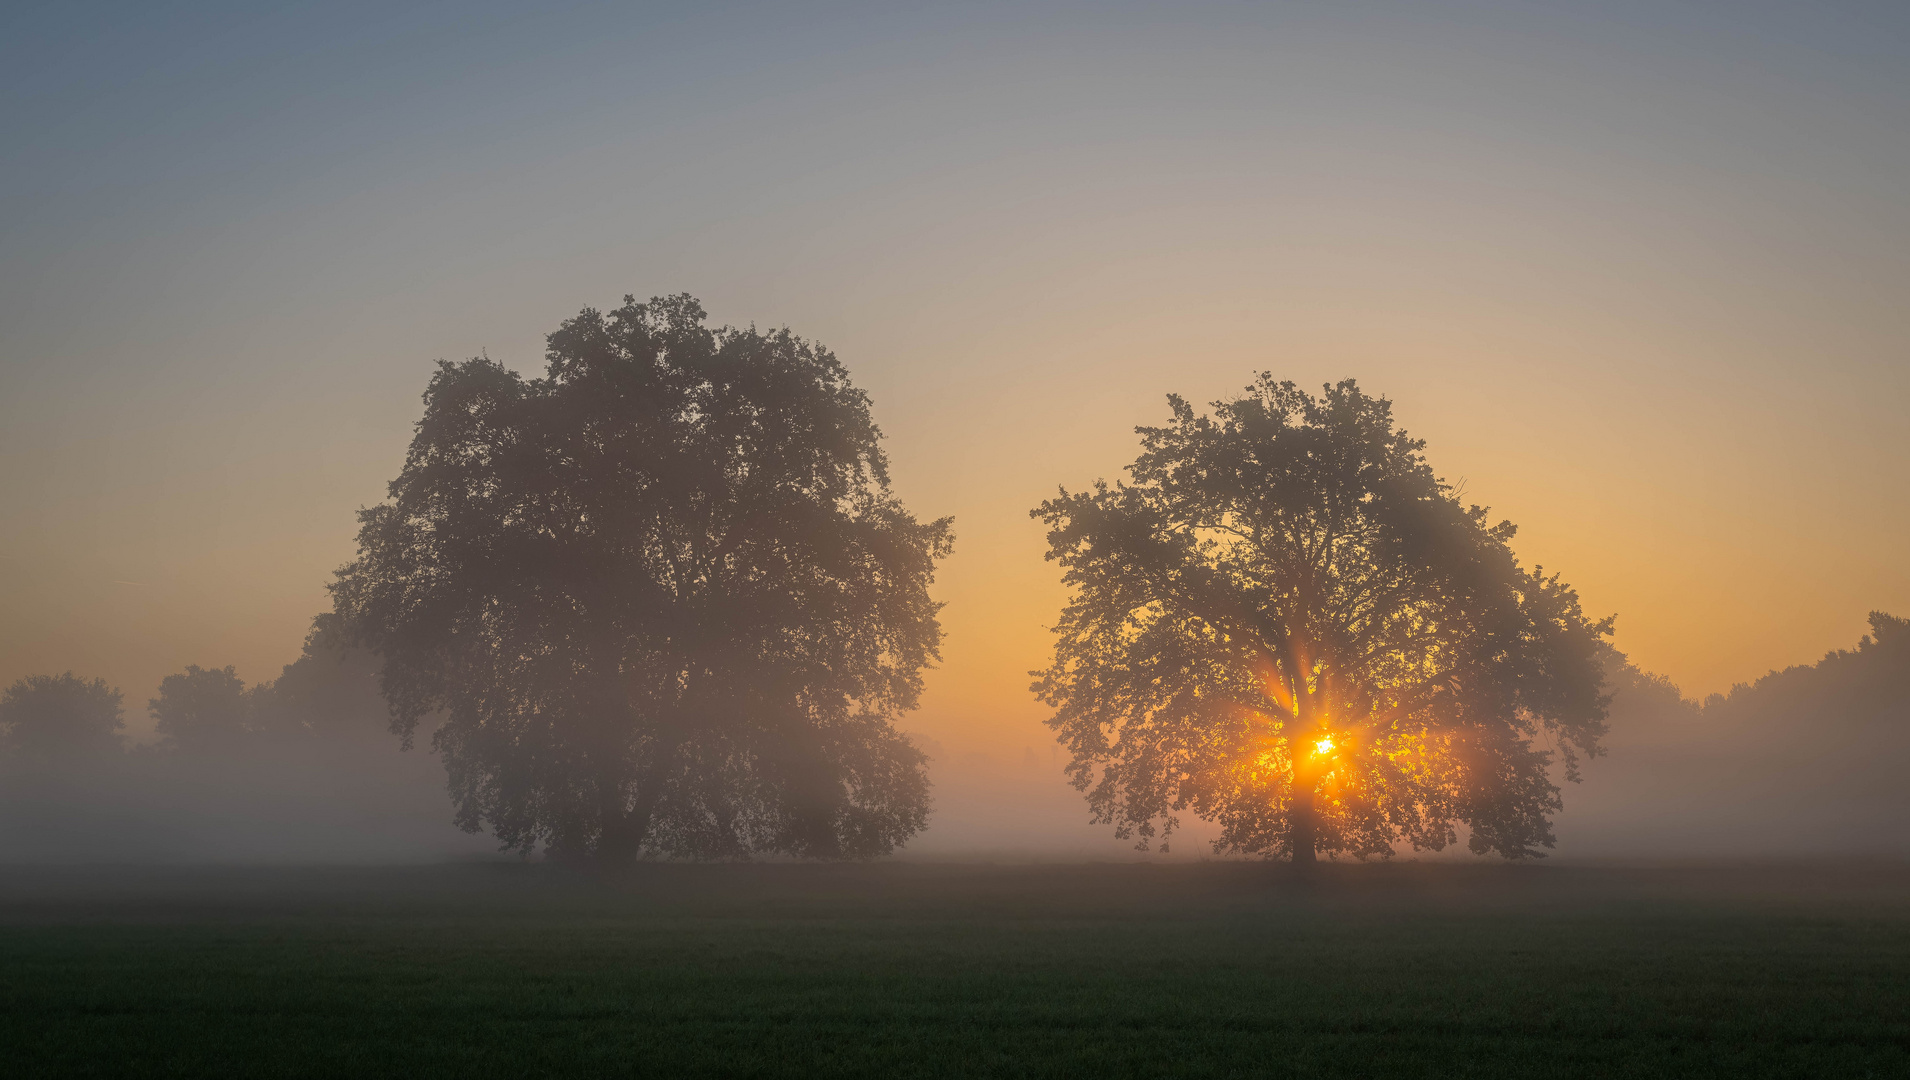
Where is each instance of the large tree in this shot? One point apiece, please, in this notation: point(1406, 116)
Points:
point(661, 600)
point(1288, 624)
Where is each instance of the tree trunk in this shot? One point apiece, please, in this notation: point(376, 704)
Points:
point(626, 827)
point(620, 841)
point(1304, 830)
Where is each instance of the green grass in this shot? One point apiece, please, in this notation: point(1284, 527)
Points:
point(951, 970)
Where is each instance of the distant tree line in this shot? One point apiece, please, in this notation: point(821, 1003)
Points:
point(662, 602)
point(1847, 691)
point(329, 692)
point(299, 767)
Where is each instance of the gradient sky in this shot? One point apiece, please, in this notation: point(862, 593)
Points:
point(1640, 274)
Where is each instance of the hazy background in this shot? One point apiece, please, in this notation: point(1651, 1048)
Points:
point(1638, 272)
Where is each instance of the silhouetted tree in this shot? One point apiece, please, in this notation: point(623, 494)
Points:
point(1847, 689)
point(201, 710)
point(1287, 623)
point(330, 691)
point(60, 719)
point(663, 596)
point(1807, 759)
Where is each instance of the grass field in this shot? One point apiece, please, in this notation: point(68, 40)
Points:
point(899, 969)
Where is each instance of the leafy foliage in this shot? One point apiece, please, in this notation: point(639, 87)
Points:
point(303, 767)
point(1847, 688)
point(201, 710)
point(1808, 761)
point(330, 691)
point(60, 718)
point(1287, 623)
point(662, 597)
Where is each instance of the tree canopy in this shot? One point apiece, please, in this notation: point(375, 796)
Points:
point(660, 600)
point(201, 710)
point(60, 718)
point(1288, 624)
point(331, 690)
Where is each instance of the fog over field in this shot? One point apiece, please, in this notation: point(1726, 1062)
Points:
point(1803, 763)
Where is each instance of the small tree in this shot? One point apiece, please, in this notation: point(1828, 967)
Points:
point(662, 597)
point(1287, 623)
point(60, 718)
point(201, 710)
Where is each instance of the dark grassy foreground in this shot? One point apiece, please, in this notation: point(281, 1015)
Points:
point(951, 970)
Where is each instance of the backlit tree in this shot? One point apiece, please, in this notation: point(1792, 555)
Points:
point(1288, 624)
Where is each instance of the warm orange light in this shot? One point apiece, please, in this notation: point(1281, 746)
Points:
point(1324, 746)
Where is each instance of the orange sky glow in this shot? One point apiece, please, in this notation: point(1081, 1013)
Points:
point(1639, 287)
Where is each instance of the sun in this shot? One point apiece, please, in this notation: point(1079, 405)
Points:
point(1324, 746)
